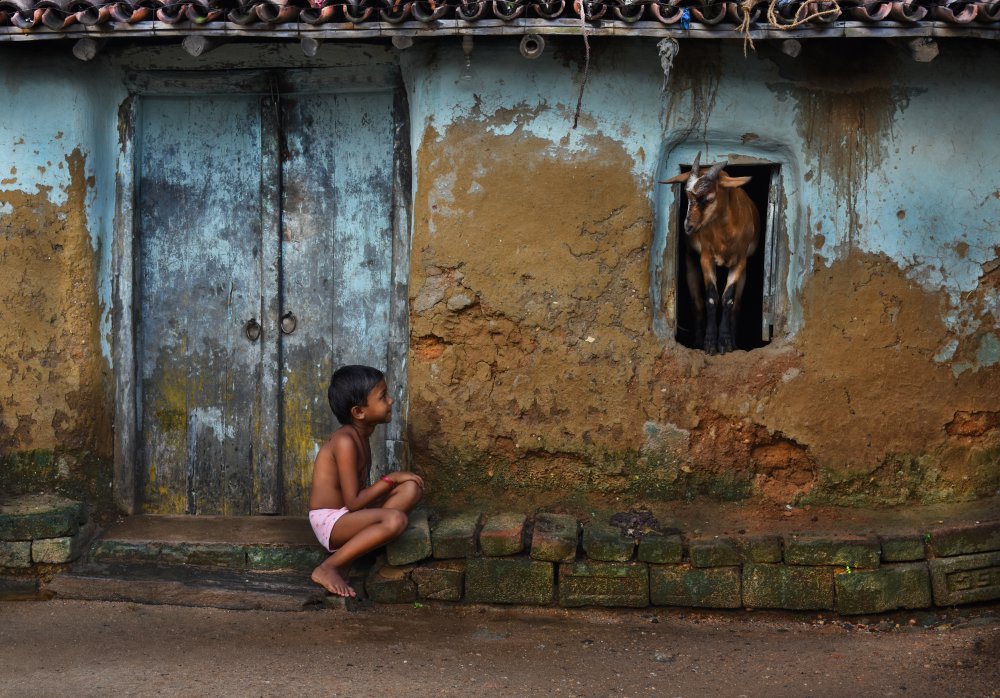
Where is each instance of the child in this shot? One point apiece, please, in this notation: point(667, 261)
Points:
point(348, 518)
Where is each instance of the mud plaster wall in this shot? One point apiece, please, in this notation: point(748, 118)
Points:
point(536, 376)
point(56, 200)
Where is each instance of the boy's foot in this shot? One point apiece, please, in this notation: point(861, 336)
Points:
point(329, 578)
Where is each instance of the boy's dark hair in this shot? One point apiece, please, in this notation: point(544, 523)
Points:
point(349, 387)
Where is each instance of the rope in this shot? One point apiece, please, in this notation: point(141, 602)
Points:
point(586, 61)
point(772, 15)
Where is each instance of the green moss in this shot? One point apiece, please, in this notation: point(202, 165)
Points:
point(78, 475)
point(463, 478)
point(900, 479)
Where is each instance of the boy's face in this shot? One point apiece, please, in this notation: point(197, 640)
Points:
point(378, 406)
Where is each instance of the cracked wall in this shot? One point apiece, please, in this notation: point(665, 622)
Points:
point(535, 375)
point(55, 391)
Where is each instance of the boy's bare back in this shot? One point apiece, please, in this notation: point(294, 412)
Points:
point(328, 480)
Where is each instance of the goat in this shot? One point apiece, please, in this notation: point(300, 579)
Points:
point(722, 228)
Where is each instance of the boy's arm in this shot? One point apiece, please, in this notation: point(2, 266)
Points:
point(346, 455)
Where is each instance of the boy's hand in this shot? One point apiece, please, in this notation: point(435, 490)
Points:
point(404, 476)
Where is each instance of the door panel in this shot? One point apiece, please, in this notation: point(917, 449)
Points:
point(199, 240)
point(336, 261)
point(217, 435)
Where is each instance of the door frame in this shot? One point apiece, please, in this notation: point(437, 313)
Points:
point(269, 83)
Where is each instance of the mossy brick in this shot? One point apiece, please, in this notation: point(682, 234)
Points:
point(906, 585)
point(124, 551)
point(414, 544)
point(441, 581)
point(204, 554)
point(966, 578)
point(284, 557)
point(509, 580)
point(950, 541)
point(59, 551)
point(502, 534)
point(55, 551)
point(603, 584)
point(713, 551)
point(39, 516)
point(788, 587)
point(15, 553)
point(760, 548)
point(555, 538)
point(387, 584)
point(661, 549)
point(853, 551)
point(705, 587)
point(455, 536)
point(903, 548)
point(607, 543)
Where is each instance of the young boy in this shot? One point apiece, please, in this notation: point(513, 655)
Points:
point(348, 518)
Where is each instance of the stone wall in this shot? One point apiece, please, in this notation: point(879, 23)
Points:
point(550, 559)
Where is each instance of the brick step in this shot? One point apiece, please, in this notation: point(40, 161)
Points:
point(260, 544)
point(193, 586)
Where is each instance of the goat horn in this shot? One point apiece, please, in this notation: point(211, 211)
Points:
point(694, 165)
point(714, 171)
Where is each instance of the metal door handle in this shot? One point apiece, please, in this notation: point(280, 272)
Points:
point(289, 322)
point(252, 330)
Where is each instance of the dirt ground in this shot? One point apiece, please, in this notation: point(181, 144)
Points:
point(55, 648)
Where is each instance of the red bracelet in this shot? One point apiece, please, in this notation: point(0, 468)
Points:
point(386, 478)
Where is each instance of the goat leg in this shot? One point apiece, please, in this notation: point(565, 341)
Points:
point(727, 327)
point(712, 319)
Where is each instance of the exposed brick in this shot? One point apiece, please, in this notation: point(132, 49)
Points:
point(965, 540)
point(124, 551)
point(683, 585)
point(15, 553)
point(607, 543)
point(442, 581)
point(52, 550)
point(713, 551)
point(268, 557)
point(966, 579)
point(661, 550)
point(603, 584)
point(906, 585)
point(787, 587)
point(509, 580)
point(903, 548)
point(62, 550)
point(455, 536)
point(502, 534)
point(415, 543)
point(205, 554)
point(386, 584)
point(38, 516)
point(555, 538)
point(819, 550)
point(760, 548)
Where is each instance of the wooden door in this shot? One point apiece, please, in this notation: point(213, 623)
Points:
point(243, 310)
point(337, 163)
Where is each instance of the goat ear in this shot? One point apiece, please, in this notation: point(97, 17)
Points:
point(677, 179)
point(732, 182)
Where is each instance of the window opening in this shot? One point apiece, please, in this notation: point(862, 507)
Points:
point(755, 323)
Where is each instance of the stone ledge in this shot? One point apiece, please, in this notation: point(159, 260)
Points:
point(848, 574)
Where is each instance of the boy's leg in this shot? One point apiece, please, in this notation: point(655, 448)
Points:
point(354, 534)
point(403, 497)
